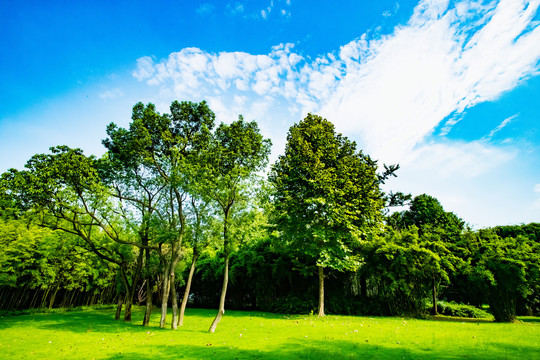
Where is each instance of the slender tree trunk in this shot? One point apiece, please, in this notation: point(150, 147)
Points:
point(128, 308)
point(320, 311)
point(119, 307)
point(168, 285)
point(33, 303)
point(149, 305)
point(53, 297)
point(174, 301)
point(435, 312)
point(44, 298)
point(130, 288)
point(128, 299)
point(187, 290)
point(363, 285)
point(165, 299)
point(148, 310)
point(221, 309)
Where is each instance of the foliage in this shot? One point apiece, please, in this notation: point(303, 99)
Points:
point(401, 266)
point(172, 189)
point(327, 197)
point(503, 270)
point(41, 258)
point(461, 310)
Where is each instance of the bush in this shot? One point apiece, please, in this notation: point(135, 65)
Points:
point(460, 310)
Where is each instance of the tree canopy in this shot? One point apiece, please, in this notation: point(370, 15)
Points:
point(327, 197)
point(177, 202)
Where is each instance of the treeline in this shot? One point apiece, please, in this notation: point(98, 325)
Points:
point(177, 212)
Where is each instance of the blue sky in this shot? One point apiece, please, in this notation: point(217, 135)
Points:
point(448, 89)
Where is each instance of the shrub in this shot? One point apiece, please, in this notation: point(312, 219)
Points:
point(460, 310)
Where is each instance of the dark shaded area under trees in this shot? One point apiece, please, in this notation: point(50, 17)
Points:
point(176, 210)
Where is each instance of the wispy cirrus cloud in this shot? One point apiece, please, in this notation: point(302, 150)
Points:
point(501, 126)
point(234, 8)
point(205, 9)
point(111, 94)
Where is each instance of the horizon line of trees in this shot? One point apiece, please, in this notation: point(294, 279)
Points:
point(178, 203)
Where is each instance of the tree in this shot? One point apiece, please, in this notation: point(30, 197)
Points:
point(401, 266)
point(37, 263)
point(65, 192)
point(440, 231)
point(503, 270)
point(327, 197)
point(238, 152)
point(156, 157)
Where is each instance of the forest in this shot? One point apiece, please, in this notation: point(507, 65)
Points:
point(180, 211)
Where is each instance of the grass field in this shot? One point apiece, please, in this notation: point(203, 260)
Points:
point(254, 335)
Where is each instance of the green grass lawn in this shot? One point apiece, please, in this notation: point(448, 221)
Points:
point(254, 335)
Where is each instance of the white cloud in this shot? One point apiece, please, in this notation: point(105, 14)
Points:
point(145, 68)
point(388, 13)
point(501, 126)
point(537, 188)
point(111, 94)
point(442, 62)
point(457, 159)
point(389, 93)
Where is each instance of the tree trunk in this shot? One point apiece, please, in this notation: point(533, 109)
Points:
point(502, 305)
point(174, 300)
point(187, 290)
point(131, 290)
point(320, 311)
point(148, 310)
point(127, 310)
point(43, 299)
point(165, 299)
point(435, 312)
point(53, 297)
point(119, 307)
point(363, 285)
point(221, 309)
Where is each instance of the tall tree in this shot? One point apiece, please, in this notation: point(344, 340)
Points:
point(239, 151)
point(157, 155)
point(327, 197)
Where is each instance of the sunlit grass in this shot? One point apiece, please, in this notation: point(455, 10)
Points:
point(254, 335)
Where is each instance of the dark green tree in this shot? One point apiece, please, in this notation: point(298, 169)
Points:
point(401, 266)
point(327, 197)
point(503, 270)
point(439, 230)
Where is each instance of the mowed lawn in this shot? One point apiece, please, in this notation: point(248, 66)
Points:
point(254, 335)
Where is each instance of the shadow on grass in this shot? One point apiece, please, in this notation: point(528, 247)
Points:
point(77, 322)
point(529, 319)
point(335, 350)
point(459, 319)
